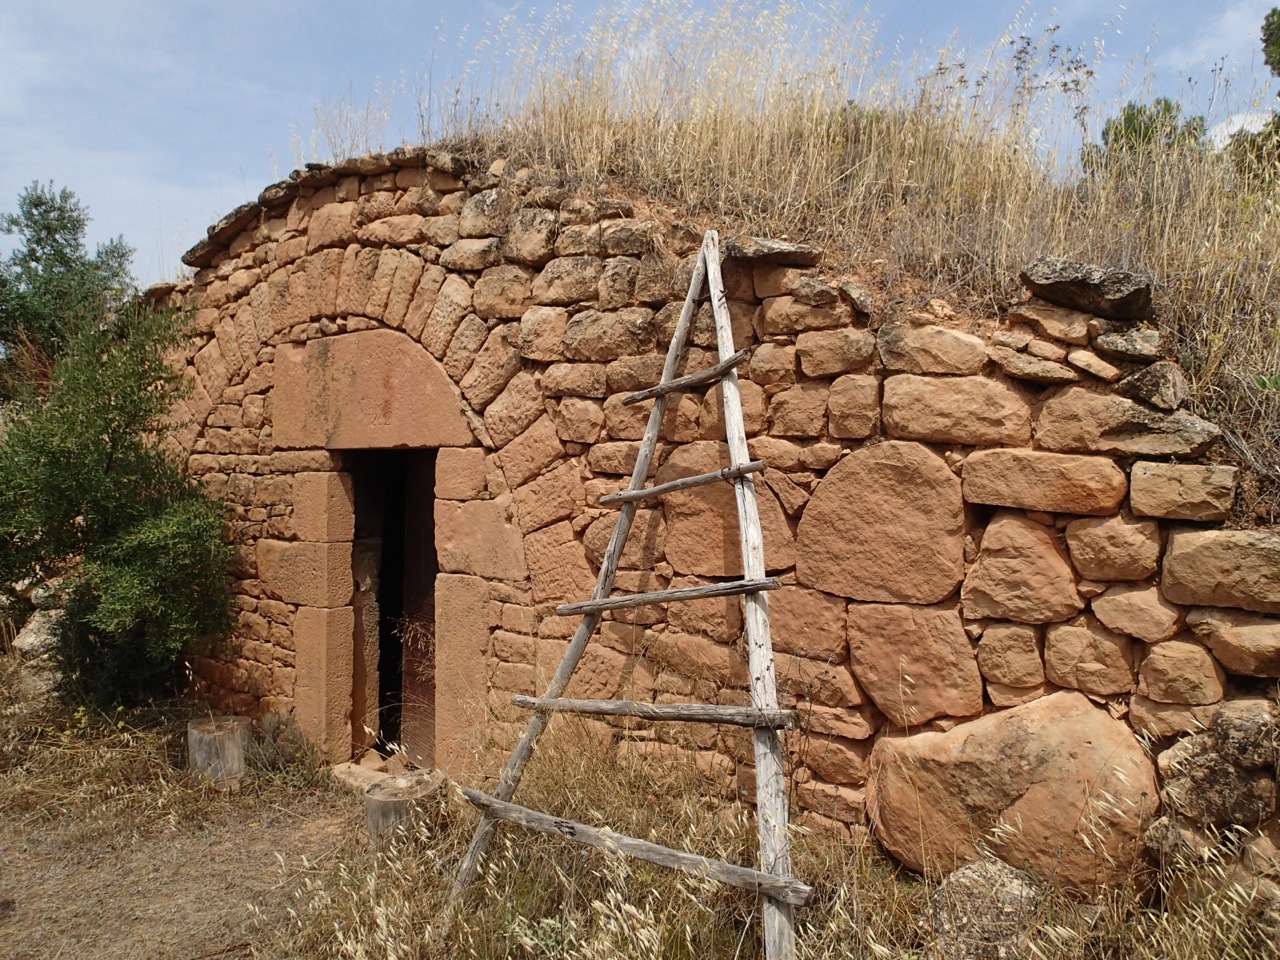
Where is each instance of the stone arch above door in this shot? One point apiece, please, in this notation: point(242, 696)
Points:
point(372, 389)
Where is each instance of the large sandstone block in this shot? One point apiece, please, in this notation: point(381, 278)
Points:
point(314, 574)
point(1056, 787)
point(827, 353)
point(530, 453)
point(462, 646)
point(1010, 654)
point(1078, 420)
point(558, 565)
point(1180, 672)
point(799, 411)
point(853, 407)
point(1138, 610)
point(497, 361)
point(1021, 574)
point(1084, 655)
point(514, 410)
point(480, 538)
point(1244, 643)
point(915, 662)
point(808, 623)
point(1114, 548)
point(593, 335)
point(502, 292)
point(702, 523)
point(461, 474)
point(974, 411)
point(542, 333)
point(885, 524)
point(325, 662)
point(913, 348)
point(323, 506)
point(786, 315)
point(1182, 491)
point(1224, 568)
point(365, 390)
point(556, 495)
point(1053, 482)
point(567, 280)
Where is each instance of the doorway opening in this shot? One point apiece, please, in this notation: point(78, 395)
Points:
point(394, 566)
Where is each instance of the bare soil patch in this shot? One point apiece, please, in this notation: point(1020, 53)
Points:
point(109, 849)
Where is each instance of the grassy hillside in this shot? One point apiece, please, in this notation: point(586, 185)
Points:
point(928, 179)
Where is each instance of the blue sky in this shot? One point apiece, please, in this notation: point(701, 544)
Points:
point(162, 116)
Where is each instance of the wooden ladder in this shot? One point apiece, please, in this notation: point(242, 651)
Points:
point(772, 880)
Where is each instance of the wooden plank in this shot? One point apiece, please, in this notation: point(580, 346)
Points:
point(684, 483)
point(690, 712)
point(519, 759)
point(785, 889)
point(669, 596)
point(689, 380)
point(771, 797)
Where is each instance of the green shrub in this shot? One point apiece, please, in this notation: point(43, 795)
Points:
point(89, 492)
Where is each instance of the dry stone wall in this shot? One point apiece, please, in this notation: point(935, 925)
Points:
point(1002, 553)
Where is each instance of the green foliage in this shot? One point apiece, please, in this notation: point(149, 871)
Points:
point(1143, 132)
point(1271, 41)
point(50, 286)
point(88, 491)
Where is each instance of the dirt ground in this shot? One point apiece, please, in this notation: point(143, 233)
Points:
point(108, 849)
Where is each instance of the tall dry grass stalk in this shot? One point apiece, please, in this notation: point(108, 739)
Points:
point(781, 119)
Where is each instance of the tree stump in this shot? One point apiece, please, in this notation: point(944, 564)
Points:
point(216, 749)
point(392, 806)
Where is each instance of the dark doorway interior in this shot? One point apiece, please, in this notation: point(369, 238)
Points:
point(394, 563)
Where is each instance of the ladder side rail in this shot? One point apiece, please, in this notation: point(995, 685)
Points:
point(519, 759)
point(771, 798)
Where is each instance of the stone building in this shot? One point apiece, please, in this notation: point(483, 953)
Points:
point(1004, 554)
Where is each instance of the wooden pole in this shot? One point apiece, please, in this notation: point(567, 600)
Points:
point(771, 797)
point(784, 889)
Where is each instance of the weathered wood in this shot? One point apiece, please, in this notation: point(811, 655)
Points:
point(785, 889)
point(669, 596)
point(689, 380)
point(216, 749)
point(684, 483)
point(692, 712)
point(519, 758)
point(771, 796)
point(390, 805)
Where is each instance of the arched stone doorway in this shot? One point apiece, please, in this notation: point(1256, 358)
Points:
point(364, 569)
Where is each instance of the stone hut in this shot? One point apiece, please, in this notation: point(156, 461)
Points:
point(1004, 557)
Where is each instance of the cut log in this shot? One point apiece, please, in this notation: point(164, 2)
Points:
point(690, 712)
point(785, 889)
point(392, 806)
point(684, 483)
point(216, 748)
point(669, 596)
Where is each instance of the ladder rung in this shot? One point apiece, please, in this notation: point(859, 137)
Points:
point(691, 712)
point(684, 483)
point(786, 889)
point(691, 380)
point(669, 596)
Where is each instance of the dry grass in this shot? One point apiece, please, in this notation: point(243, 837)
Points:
point(544, 898)
point(108, 849)
point(781, 120)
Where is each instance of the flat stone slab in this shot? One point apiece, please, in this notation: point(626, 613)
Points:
point(1113, 294)
point(764, 250)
